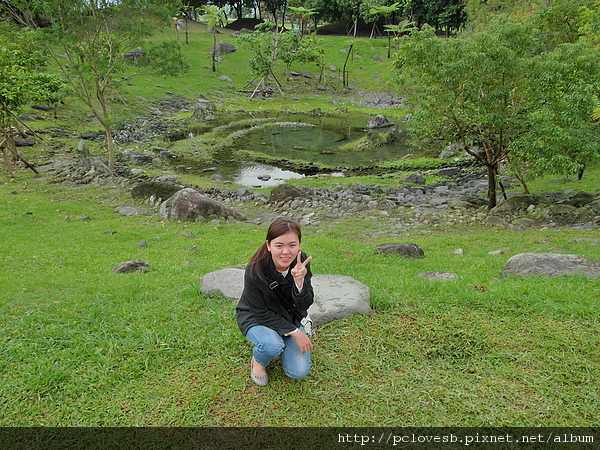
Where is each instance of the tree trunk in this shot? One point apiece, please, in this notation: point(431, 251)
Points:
point(214, 53)
point(110, 143)
point(103, 118)
point(9, 171)
point(523, 184)
point(491, 174)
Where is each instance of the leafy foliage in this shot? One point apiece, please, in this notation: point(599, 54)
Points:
point(20, 82)
point(563, 87)
point(497, 91)
point(50, 89)
point(165, 58)
point(92, 38)
point(269, 47)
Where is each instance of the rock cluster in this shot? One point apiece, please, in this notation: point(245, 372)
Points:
point(458, 201)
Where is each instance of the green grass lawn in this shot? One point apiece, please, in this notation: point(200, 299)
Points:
point(83, 346)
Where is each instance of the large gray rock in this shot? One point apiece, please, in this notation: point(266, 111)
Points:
point(379, 121)
point(228, 282)
point(190, 205)
point(448, 171)
point(336, 296)
point(409, 250)
point(135, 265)
point(551, 264)
point(285, 192)
point(414, 178)
point(581, 199)
point(516, 203)
point(222, 48)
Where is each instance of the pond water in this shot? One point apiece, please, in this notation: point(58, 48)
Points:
point(316, 139)
point(310, 139)
point(262, 175)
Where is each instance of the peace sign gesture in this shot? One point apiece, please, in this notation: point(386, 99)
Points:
point(299, 270)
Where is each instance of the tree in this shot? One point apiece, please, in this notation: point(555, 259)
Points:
point(269, 47)
point(47, 88)
point(307, 50)
point(274, 6)
point(569, 21)
point(164, 58)
point(494, 92)
point(20, 58)
point(87, 40)
point(303, 14)
point(214, 17)
point(564, 136)
point(385, 12)
point(398, 30)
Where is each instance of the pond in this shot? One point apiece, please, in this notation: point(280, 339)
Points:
point(308, 139)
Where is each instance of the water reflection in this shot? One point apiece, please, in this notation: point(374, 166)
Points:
point(261, 175)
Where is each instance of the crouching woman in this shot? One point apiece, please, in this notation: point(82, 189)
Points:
point(276, 296)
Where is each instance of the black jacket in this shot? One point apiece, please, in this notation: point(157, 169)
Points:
point(276, 303)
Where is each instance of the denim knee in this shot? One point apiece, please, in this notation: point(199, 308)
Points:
point(298, 372)
point(268, 345)
point(270, 348)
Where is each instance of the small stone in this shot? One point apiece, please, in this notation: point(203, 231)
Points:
point(437, 275)
point(499, 251)
point(135, 265)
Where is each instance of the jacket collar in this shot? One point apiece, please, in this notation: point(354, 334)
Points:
point(273, 275)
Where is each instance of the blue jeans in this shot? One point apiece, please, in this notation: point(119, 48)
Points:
point(268, 345)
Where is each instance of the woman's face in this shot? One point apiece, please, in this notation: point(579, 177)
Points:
point(284, 249)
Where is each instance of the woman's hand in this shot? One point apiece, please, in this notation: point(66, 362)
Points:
point(299, 271)
point(303, 341)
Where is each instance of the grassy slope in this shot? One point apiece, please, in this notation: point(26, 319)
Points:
point(85, 346)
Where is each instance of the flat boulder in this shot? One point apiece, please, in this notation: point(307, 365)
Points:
point(517, 202)
point(551, 264)
point(285, 192)
point(414, 178)
point(190, 205)
point(408, 250)
point(379, 121)
point(438, 275)
point(135, 265)
point(133, 211)
point(336, 296)
point(158, 189)
point(222, 48)
point(228, 282)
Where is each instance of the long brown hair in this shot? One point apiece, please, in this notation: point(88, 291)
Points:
point(278, 227)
